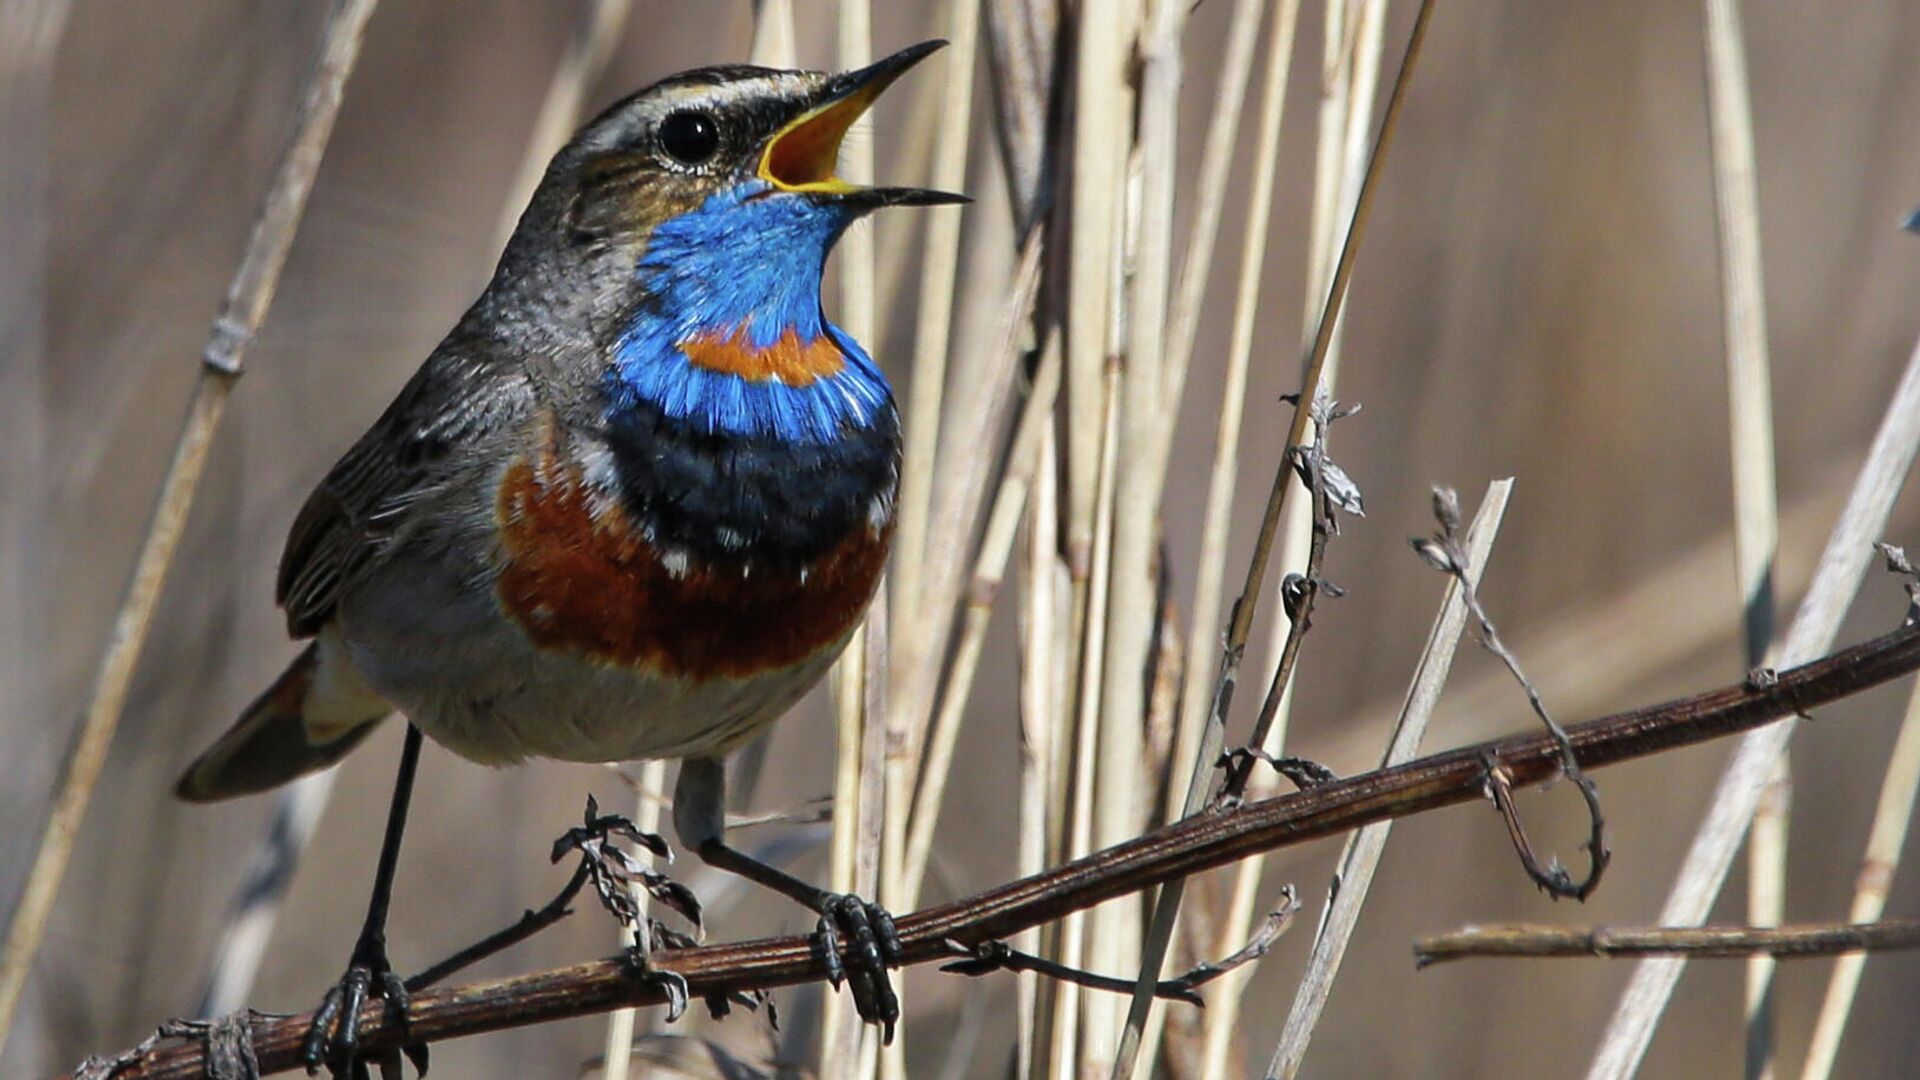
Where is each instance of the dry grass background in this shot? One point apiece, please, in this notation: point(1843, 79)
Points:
point(1538, 297)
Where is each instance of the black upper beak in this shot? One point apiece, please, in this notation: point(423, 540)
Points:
point(880, 74)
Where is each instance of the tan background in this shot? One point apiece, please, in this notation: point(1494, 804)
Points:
point(1537, 298)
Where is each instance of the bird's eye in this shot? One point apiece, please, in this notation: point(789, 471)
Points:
point(691, 138)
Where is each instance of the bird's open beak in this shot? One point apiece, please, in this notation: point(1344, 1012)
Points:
point(801, 156)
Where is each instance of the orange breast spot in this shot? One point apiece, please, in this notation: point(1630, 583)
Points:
point(577, 576)
point(788, 359)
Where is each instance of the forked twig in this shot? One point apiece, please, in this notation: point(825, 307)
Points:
point(990, 956)
point(1443, 552)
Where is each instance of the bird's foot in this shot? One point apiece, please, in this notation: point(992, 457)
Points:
point(333, 1039)
point(872, 946)
point(644, 970)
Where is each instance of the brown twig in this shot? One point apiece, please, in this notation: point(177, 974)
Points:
point(1186, 847)
point(1790, 942)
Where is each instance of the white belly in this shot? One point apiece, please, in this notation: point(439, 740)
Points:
point(473, 682)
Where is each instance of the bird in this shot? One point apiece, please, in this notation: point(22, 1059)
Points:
point(632, 506)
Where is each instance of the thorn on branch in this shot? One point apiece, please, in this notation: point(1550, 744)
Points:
point(1444, 551)
point(1897, 563)
point(1302, 772)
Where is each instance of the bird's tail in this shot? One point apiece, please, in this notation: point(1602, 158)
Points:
point(315, 712)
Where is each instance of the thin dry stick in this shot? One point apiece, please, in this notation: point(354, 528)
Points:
point(1042, 690)
point(1361, 856)
point(1797, 942)
point(248, 297)
point(1222, 481)
point(621, 1022)
point(1888, 835)
point(1145, 427)
point(870, 840)
point(939, 266)
point(1195, 738)
point(1181, 849)
point(996, 547)
point(1220, 1022)
point(841, 1030)
point(1087, 729)
point(917, 664)
point(949, 114)
point(1750, 430)
point(772, 34)
point(1210, 191)
point(1100, 117)
point(1039, 691)
point(31, 32)
point(1343, 148)
point(1841, 568)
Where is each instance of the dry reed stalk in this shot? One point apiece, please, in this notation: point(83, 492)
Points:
point(1892, 815)
point(772, 44)
point(939, 267)
point(1042, 688)
point(622, 1023)
point(1068, 1021)
point(1193, 741)
point(876, 733)
point(1210, 195)
point(1009, 504)
point(917, 662)
point(841, 1032)
point(1341, 156)
point(1133, 604)
point(30, 36)
point(1842, 567)
point(1344, 180)
point(1361, 855)
point(241, 313)
point(1750, 431)
point(1766, 906)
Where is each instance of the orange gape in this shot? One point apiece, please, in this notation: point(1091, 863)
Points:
point(579, 577)
point(787, 359)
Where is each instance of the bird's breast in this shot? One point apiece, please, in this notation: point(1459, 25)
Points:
point(588, 568)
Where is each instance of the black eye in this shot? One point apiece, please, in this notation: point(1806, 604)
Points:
point(691, 138)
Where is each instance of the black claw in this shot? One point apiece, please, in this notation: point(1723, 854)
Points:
point(872, 946)
point(674, 983)
point(333, 1040)
point(826, 942)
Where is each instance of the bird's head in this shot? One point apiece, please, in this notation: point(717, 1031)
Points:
point(716, 194)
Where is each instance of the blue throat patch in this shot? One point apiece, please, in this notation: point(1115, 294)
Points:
point(744, 270)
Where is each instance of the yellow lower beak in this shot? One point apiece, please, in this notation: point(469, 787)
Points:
point(801, 156)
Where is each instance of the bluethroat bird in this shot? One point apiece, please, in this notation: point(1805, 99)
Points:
point(632, 507)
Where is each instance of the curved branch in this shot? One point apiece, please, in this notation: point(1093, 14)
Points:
point(1185, 847)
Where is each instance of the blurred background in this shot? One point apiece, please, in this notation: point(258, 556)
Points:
point(1538, 297)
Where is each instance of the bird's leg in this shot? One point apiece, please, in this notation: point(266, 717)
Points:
point(871, 943)
point(334, 1038)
